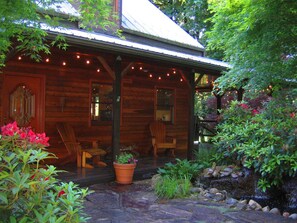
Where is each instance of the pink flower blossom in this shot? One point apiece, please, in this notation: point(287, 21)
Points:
point(244, 106)
point(255, 112)
point(10, 129)
point(24, 134)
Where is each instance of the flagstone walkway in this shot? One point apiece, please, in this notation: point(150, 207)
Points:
point(112, 203)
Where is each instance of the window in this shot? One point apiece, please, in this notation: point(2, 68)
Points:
point(165, 105)
point(101, 103)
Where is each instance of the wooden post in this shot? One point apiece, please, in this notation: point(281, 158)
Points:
point(116, 108)
point(239, 94)
point(191, 125)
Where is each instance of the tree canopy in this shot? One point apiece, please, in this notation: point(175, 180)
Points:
point(20, 27)
point(259, 39)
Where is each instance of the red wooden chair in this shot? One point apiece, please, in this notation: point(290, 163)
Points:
point(74, 147)
point(159, 138)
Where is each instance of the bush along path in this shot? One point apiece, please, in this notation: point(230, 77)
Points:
point(138, 203)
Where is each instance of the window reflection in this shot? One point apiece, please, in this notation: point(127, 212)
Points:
point(165, 105)
point(101, 103)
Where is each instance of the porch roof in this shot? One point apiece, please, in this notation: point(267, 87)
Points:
point(144, 18)
point(115, 44)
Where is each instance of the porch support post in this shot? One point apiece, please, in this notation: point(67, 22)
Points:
point(240, 94)
point(191, 125)
point(116, 108)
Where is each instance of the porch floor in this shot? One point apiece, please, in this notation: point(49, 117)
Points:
point(146, 168)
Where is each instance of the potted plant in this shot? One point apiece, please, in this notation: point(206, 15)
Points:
point(124, 168)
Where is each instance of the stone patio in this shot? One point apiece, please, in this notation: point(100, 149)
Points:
point(115, 203)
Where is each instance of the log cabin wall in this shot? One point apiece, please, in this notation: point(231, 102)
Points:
point(67, 99)
point(138, 105)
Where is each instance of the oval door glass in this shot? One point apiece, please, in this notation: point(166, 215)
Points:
point(22, 105)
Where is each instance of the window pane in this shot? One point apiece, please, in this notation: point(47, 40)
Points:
point(101, 102)
point(165, 105)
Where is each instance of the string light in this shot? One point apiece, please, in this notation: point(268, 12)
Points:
point(47, 60)
point(174, 71)
point(87, 62)
point(150, 75)
point(77, 56)
point(168, 74)
point(181, 80)
point(19, 58)
point(159, 78)
point(132, 68)
point(98, 70)
point(140, 68)
point(64, 63)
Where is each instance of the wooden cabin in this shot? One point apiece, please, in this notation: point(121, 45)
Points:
point(109, 87)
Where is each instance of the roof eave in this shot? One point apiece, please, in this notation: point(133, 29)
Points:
point(117, 48)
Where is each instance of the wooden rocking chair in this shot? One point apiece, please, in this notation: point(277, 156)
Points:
point(74, 147)
point(159, 138)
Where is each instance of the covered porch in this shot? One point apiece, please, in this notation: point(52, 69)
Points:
point(146, 168)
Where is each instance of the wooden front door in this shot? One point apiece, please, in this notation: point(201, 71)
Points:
point(23, 101)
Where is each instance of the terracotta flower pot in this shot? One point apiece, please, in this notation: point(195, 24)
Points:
point(124, 172)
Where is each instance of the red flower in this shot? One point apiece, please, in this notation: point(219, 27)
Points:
point(32, 177)
point(61, 193)
point(47, 178)
point(255, 111)
point(10, 129)
point(292, 115)
point(244, 106)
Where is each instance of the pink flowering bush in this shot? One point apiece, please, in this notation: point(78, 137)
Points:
point(29, 190)
point(262, 138)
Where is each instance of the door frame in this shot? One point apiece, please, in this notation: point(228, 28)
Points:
point(41, 106)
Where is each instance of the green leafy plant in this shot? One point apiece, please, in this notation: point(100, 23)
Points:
point(125, 158)
point(29, 191)
point(261, 139)
point(181, 169)
point(169, 188)
point(175, 180)
point(205, 156)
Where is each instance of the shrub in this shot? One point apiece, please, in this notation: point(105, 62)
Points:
point(169, 188)
point(180, 170)
point(263, 139)
point(29, 190)
point(175, 180)
point(204, 156)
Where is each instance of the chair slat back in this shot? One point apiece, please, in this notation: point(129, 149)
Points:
point(68, 137)
point(158, 130)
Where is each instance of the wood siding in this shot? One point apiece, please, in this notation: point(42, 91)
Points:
point(71, 84)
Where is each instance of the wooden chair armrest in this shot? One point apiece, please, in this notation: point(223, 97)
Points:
point(171, 138)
